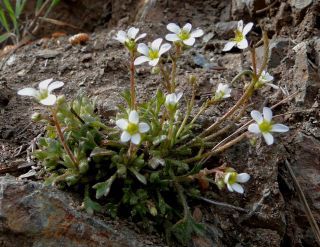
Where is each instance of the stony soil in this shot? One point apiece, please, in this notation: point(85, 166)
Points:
point(275, 215)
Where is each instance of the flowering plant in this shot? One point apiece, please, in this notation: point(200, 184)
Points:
point(152, 152)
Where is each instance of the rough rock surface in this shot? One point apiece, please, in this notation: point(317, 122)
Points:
point(32, 214)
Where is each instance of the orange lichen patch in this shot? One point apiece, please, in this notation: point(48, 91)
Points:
point(8, 48)
point(79, 38)
point(56, 35)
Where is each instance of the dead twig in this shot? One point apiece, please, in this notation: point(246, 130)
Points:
point(259, 11)
point(311, 219)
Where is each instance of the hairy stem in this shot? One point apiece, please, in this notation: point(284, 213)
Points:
point(132, 82)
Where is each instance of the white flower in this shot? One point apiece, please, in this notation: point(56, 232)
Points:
point(232, 180)
point(240, 37)
point(264, 125)
point(151, 54)
point(43, 95)
point(132, 129)
point(183, 34)
point(173, 98)
point(265, 79)
point(130, 37)
point(223, 91)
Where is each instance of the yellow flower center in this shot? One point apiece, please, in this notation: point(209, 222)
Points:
point(130, 44)
point(132, 128)
point(42, 94)
point(239, 36)
point(184, 35)
point(233, 178)
point(265, 126)
point(153, 54)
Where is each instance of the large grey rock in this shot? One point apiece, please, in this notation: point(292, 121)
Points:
point(32, 214)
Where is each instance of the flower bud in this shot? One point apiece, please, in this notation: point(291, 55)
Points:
point(36, 117)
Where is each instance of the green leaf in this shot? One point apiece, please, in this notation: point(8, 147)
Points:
point(89, 205)
point(19, 7)
point(138, 175)
point(103, 189)
point(5, 36)
point(98, 152)
point(3, 20)
point(12, 15)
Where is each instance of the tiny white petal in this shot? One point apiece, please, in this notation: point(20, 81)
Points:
point(247, 28)
point(143, 49)
point(254, 128)
point(50, 100)
point(226, 178)
point(267, 113)
point(237, 188)
point(144, 127)
point(164, 48)
point(121, 36)
point(134, 117)
point(44, 84)
point(155, 45)
point(54, 85)
point(141, 59)
point(28, 92)
point(125, 136)
point(187, 28)
point(197, 33)
point(154, 62)
point(132, 32)
point(279, 128)
point(229, 46)
point(172, 27)
point(256, 116)
point(141, 36)
point(268, 138)
point(179, 95)
point(243, 44)
point(122, 123)
point(172, 37)
point(136, 139)
point(189, 41)
point(240, 25)
point(243, 177)
point(229, 188)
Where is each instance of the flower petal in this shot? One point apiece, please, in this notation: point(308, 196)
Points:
point(28, 92)
point(125, 136)
point(256, 116)
point(121, 36)
point(268, 138)
point(172, 27)
point(237, 188)
point(189, 41)
point(141, 36)
point(164, 48)
point(141, 59)
point(254, 128)
point(155, 45)
point(154, 62)
point(240, 25)
point(226, 178)
point(247, 28)
point(267, 114)
point(229, 187)
point(243, 44)
point(44, 84)
point(178, 96)
point(134, 117)
point(187, 28)
point(144, 127)
point(243, 177)
point(50, 100)
point(122, 123)
point(136, 138)
point(143, 49)
point(197, 33)
point(132, 32)
point(279, 128)
point(172, 37)
point(54, 85)
point(229, 46)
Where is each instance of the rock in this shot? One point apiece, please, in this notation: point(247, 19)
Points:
point(225, 30)
point(32, 214)
point(47, 53)
point(300, 4)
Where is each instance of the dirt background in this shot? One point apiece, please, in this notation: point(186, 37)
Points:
point(276, 216)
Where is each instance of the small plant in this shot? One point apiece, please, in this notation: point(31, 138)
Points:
point(153, 159)
point(10, 18)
